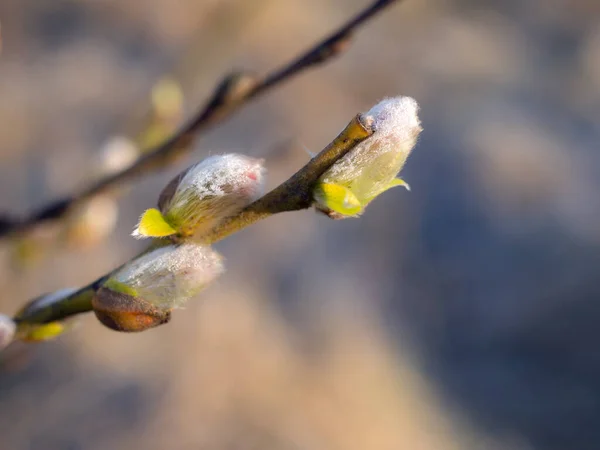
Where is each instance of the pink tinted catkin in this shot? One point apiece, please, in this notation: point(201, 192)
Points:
point(197, 199)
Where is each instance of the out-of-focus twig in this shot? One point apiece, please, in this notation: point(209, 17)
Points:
point(292, 195)
point(234, 91)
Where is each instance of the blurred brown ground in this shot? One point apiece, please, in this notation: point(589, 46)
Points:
point(462, 315)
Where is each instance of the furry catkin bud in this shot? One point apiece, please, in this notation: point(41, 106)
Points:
point(197, 199)
point(142, 293)
point(37, 332)
point(372, 166)
point(7, 330)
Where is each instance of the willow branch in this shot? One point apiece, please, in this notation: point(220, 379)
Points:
point(292, 195)
point(295, 194)
point(233, 92)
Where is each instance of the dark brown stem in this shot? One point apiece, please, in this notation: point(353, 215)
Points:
point(233, 92)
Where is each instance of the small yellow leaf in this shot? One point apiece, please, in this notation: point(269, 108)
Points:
point(337, 198)
point(43, 332)
point(153, 224)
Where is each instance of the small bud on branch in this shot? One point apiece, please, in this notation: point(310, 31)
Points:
point(142, 293)
point(36, 332)
point(200, 197)
point(372, 166)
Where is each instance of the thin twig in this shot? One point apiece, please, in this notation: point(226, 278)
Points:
point(233, 92)
point(292, 195)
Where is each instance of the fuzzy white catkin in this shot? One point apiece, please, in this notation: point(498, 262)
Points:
point(397, 128)
point(234, 175)
point(220, 186)
point(206, 193)
point(372, 166)
point(7, 330)
point(168, 276)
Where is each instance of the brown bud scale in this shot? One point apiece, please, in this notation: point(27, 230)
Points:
point(123, 312)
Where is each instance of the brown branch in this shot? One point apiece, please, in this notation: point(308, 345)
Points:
point(295, 194)
point(233, 92)
point(292, 195)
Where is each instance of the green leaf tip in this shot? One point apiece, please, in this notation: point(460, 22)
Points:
point(399, 182)
point(122, 288)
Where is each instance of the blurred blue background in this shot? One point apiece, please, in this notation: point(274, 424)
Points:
point(464, 314)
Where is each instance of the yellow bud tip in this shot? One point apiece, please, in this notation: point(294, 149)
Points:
point(152, 224)
point(337, 198)
point(44, 332)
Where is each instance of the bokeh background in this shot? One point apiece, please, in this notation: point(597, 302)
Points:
point(465, 314)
